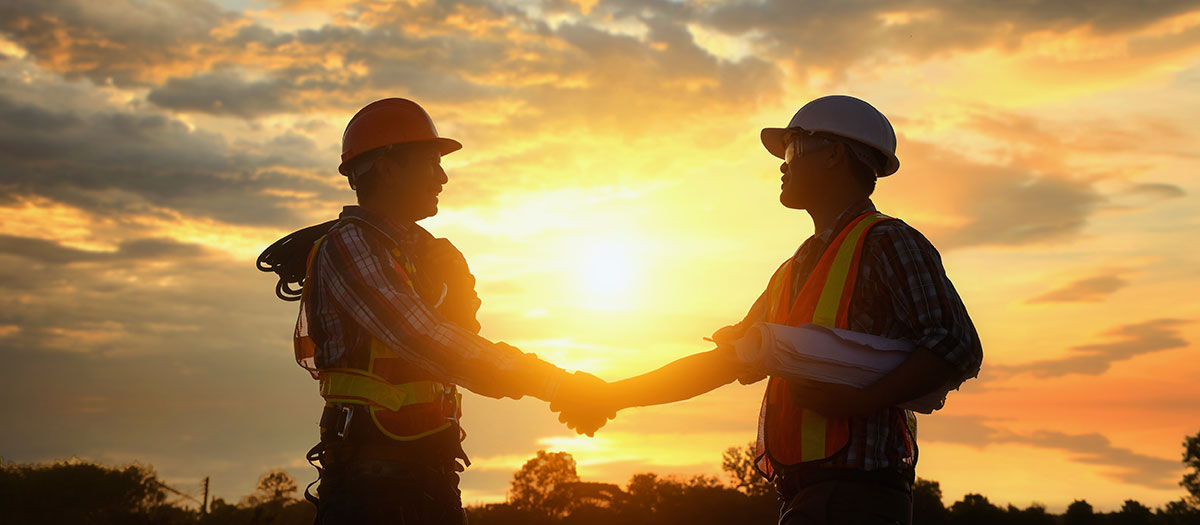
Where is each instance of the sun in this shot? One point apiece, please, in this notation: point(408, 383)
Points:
point(608, 273)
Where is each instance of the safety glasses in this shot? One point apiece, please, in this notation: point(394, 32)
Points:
point(800, 142)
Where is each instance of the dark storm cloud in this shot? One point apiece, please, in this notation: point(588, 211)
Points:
point(1121, 464)
point(125, 162)
point(1126, 342)
point(1089, 289)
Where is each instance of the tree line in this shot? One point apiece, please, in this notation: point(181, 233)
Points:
point(546, 490)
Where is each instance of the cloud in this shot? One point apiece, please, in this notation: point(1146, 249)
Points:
point(1052, 146)
point(222, 94)
point(126, 42)
point(1088, 289)
point(1157, 190)
point(992, 204)
point(49, 252)
point(573, 71)
point(815, 30)
point(131, 162)
point(1126, 342)
point(1123, 465)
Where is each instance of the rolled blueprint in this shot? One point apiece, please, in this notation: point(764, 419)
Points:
point(831, 355)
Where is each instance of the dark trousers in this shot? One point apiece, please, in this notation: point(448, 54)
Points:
point(850, 498)
point(376, 492)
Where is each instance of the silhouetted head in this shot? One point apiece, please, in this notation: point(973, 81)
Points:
point(391, 155)
point(833, 146)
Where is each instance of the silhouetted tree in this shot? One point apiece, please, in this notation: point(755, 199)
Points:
point(1035, 514)
point(1178, 512)
point(642, 494)
point(738, 464)
point(1133, 513)
point(1191, 460)
point(1079, 512)
point(273, 486)
point(976, 510)
point(76, 491)
point(533, 486)
point(698, 500)
point(285, 511)
point(928, 508)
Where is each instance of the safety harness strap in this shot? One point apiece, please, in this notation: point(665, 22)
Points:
point(359, 387)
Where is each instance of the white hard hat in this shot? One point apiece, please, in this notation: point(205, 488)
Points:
point(843, 116)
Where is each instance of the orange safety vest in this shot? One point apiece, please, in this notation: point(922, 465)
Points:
point(789, 434)
point(405, 402)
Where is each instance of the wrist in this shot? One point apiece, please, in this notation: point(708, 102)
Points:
point(553, 381)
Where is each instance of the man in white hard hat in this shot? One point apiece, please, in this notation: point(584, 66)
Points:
point(836, 454)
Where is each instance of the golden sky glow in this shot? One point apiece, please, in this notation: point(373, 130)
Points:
point(616, 206)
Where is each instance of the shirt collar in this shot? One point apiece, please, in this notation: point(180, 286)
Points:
point(402, 234)
point(844, 218)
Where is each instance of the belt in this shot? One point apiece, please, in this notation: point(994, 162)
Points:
point(788, 484)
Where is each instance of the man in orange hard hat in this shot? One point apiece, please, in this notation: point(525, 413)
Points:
point(387, 325)
point(836, 454)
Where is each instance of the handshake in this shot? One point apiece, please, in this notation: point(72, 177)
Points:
point(585, 402)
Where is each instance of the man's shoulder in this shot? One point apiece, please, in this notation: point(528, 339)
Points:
point(356, 232)
point(897, 232)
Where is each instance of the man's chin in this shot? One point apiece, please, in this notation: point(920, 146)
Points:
point(790, 203)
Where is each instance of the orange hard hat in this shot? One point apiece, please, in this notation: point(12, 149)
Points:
point(386, 122)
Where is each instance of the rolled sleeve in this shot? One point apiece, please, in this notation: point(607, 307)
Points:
point(923, 297)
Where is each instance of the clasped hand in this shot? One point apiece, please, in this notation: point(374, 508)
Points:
point(585, 403)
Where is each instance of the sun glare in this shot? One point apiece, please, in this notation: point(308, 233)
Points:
point(608, 273)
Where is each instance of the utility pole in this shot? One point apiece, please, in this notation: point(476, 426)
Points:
point(204, 504)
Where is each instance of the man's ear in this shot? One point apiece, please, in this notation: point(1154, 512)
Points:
point(836, 153)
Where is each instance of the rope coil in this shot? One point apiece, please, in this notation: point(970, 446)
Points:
point(288, 258)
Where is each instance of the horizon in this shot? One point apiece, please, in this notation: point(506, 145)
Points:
point(615, 205)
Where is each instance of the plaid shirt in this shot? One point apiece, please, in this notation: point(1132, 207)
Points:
point(356, 294)
point(902, 292)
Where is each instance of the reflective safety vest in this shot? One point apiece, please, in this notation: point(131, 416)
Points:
point(787, 433)
point(405, 402)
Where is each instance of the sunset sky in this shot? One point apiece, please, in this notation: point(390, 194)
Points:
point(614, 201)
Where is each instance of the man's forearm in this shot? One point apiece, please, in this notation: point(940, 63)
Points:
point(679, 380)
point(923, 372)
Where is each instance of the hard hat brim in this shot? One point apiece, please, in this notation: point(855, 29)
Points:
point(772, 139)
point(448, 146)
point(445, 147)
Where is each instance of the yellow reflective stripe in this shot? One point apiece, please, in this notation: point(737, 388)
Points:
point(812, 435)
point(382, 429)
point(826, 311)
point(361, 387)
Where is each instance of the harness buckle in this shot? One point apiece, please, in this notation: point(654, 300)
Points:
point(448, 393)
point(347, 414)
